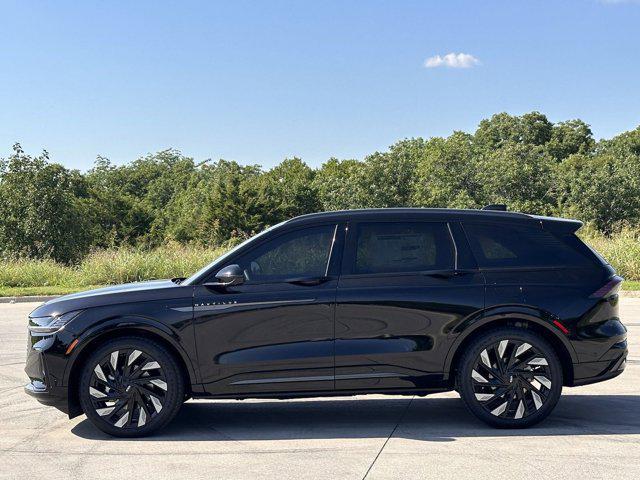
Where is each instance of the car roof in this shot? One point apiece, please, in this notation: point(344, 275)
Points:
point(449, 214)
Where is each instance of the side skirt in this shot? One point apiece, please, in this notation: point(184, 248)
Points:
point(332, 393)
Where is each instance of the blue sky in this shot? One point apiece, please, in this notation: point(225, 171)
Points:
point(260, 81)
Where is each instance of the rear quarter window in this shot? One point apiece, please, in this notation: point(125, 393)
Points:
point(498, 245)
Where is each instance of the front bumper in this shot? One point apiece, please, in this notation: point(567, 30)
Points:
point(53, 397)
point(45, 368)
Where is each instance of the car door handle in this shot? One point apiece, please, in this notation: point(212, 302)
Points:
point(307, 281)
point(448, 273)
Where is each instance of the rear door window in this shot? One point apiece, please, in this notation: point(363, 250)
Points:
point(402, 247)
point(498, 245)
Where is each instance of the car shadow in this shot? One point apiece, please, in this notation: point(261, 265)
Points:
point(424, 419)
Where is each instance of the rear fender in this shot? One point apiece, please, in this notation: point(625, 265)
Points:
point(500, 315)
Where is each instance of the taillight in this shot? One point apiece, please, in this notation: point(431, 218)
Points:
point(610, 288)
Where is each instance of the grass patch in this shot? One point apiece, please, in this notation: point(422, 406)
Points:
point(109, 267)
point(621, 250)
point(37, 291)
point(631, 286)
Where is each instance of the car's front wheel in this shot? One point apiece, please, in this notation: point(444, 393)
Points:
point(131, 386)
point(510, 378)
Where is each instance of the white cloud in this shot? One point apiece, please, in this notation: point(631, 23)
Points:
point(452, 60)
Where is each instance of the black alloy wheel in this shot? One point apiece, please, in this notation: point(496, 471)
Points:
point(510, 378)
point(130, 387)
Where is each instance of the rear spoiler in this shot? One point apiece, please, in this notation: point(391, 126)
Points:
point(559, 225)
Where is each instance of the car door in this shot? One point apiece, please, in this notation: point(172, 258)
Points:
point(402, 289)
point(274, 332)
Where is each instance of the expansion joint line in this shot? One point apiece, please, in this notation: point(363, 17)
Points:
point(400, 420)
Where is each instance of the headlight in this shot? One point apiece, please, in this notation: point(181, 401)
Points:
point(51, 324)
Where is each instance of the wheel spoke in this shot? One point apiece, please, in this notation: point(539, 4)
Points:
point(523, 400)
point(502, 346)
point(149, 392)
point(487, 373)
point(142, 380)
point(130, 407)
point(120, 404)
point(511, 401)
point(132, 357)
point(143, 404)
point(106, 383)
point(499, 364)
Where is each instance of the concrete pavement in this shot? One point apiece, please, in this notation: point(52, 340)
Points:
point(593, 433)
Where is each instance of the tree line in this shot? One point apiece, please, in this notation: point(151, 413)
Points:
point(526, 162)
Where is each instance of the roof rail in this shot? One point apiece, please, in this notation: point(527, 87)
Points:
point(501, 207)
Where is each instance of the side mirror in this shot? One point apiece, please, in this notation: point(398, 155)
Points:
point(229, 276)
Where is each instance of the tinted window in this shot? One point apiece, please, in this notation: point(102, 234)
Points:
point(496, 245)
point(302, 253)
point(402, 247)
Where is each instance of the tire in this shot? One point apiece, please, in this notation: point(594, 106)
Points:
point(131, 387)
point(520, 390)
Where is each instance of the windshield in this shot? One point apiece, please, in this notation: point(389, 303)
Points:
point(193, 278)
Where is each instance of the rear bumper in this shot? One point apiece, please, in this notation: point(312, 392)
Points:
point(600, 378)
point(612, 365)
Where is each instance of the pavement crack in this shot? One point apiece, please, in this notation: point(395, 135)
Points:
point(404, 413)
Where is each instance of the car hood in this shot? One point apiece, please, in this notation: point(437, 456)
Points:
point(128, 292)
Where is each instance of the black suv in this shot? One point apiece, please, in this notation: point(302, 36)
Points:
point(505, 308)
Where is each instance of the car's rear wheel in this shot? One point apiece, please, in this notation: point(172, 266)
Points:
point(131, 386)
point(510, 378)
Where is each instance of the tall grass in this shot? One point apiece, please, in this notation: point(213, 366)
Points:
point(109, 267)
point(173, 260)
point(622, 250)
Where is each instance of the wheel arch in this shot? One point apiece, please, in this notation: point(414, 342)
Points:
point(118, 328)
point(531, 321)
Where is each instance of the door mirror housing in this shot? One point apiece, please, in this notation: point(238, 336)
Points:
point(227, 277)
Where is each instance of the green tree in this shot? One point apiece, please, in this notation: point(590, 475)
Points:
point(521, 176)
point(338, 186)
point(524, 161)
point(603, 189)
point(531, 128)
point(387, 179)
point(570, 137)
point(131, 199)
point(447, 174)
point(627, 143)
point(288, 190)
point(222, 204)
point(43, 213)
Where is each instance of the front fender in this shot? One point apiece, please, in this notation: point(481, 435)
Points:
point(129, 323)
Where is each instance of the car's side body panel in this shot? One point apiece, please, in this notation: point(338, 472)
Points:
point(265, 339)
point(395, 331)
